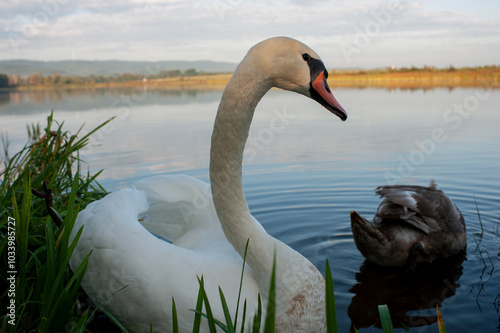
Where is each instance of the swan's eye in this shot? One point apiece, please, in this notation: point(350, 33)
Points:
point(306, 57)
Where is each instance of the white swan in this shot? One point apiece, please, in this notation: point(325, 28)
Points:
point(206, 236)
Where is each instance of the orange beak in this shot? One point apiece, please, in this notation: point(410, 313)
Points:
point(321, 87)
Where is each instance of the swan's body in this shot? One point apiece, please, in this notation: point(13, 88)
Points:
point(125, 253)
point(412, 224)
point(208, 231)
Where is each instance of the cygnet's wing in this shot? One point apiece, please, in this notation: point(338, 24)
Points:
point(419, 205)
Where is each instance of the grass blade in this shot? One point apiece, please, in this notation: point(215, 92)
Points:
point(441, 327)
point(210, 317)
point(175, 323)
point(241, 285)
point(227, 315)
point(107, 313)
point(331, 312)
point(257, 318)
point(385, 319)
point(244, 315)
point(270, 324)
point(479, 217)
point(199, 308)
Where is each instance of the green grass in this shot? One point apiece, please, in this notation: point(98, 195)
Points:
point(45, 287)
point(331, 312)
point(385, 318)
point(42, 189)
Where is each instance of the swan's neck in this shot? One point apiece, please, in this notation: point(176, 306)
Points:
point(243, 92)
point(301, 286)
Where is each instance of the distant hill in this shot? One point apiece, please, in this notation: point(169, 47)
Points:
point(107, 67)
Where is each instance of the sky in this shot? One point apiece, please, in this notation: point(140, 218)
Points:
point(346, 34)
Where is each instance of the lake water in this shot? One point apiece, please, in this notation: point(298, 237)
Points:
point(305, 170)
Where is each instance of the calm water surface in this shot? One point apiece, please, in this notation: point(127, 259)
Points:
point(305, 170)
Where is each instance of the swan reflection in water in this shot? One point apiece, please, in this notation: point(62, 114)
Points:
point(412, 297)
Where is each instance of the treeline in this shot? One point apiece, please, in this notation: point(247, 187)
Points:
point(56, 79)
point(428, 69)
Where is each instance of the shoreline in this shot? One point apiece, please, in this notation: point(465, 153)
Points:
point(487, 78)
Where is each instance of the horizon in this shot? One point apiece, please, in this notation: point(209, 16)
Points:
point(356, 34)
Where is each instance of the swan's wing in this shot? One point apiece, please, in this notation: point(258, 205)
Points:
point(419, 205)
point(178, 204)
point(181, 210)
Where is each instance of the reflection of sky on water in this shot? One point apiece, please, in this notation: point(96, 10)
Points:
point(157, 131)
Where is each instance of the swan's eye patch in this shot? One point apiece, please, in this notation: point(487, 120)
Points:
point(306, 57)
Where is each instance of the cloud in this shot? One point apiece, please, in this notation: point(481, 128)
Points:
point(223, 30)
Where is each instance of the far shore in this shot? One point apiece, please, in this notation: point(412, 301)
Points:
point(475, 77)
point(486, 78)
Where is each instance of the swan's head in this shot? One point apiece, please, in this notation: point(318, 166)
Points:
point(292, 65)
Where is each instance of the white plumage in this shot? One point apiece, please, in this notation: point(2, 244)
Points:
point(154, 271)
